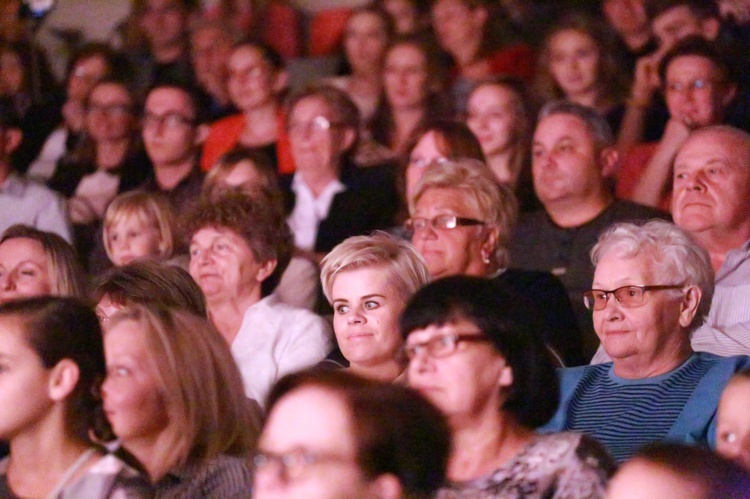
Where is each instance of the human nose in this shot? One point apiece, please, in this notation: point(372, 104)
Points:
point(268, 479)
point(6, 281)
point(356, 317)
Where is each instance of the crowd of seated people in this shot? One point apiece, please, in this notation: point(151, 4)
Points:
point(496, 249)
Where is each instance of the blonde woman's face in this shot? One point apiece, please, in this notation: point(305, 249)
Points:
point(23, 269)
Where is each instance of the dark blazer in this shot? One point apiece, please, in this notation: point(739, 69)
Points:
point(369, 203)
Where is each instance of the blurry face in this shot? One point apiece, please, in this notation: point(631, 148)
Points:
point(164, 22)
point(675, 24)
point(24, 382)
point(23, 269)
point(86, 73)
point(133, 399)
point(695, 91)
point(626, 16)
point(366, 308)
point(712, 184)
point(423, 154)
point(169, 131)
point(223, 265)
point(448, 251)
point(315, 148)
point(251, 78)
point(405, 77)
point(11, 73)
point(132, 238)
point(108, 115)
point(364, 41)
point(404, 13)
point(210, 50)
point(574, 62)
point(733, 429)
point(639, 479)
point(650, 331)
point(466, 383)
point(456, 24)
point(564, 160)
point(493, 119)
point(310, 421)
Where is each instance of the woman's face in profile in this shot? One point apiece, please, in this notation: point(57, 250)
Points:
point(23, 269)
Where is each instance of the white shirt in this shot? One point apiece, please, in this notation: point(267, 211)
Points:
point(276, 339)
point(23, 201)
point(309, 211)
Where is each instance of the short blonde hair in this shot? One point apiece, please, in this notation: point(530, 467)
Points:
point(202, 387)
point(150, 208)
point(407, 270)
point(494, 203)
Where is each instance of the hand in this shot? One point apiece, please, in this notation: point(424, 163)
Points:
point(675, 133)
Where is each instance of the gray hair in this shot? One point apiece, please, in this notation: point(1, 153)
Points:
point(407, 270)
point(677, 257)
point(595, 122)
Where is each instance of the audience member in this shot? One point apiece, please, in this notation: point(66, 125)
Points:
point(652, 288)
point(628, 18)
point(239, 248)
point(329, 198)
point(54, 366)
point(572, 155)
point(461, 219)
point(409, 16)
point(210, 47)
point(332, 434)
point(368, 280)
point(35, 263)
point(733, 427)
point(174, 399)
point(479, 358)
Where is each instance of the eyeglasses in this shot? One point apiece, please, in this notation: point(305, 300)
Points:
point(443, 345)
point(627, 296)
point(293, 465)
point(318, 124)
point(442, 222)
point(109, 109)
point(424, 162)
point(169, 120)
point(692, 85)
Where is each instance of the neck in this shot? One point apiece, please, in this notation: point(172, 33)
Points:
point(568, 213)
point(467, 54)
point(149, 451)
point(665, 360)
point(501, 165)
point(481, 446)
point(111, 153)
point(261, 125)
point(384, 371)
point(406, 120)
point(588, 98)
point(227, 313)
point(168, 176)
point(720, 242)
point(318, 179)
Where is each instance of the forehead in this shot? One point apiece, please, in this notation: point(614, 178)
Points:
point(558, 126)
point(22, 248)
point(704, 147)
point(569, 37)
point(370, 279)
point(311, 106)
point(110, 91)
point(405, 53)
point(246, 54)
point(125, 337)
point(492, 95)
point(687, 65)
point(452, 326)
point(365, 21)
point(167, 99)
point(615, 269)
point(444, 199)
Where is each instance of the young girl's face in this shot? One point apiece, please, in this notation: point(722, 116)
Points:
point(130, 238)
point(574, 62)
point(733, 429)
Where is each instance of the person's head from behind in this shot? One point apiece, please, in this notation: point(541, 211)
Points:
point(652, 287)
point(331, 434)
point(245, 169)
point(34, 262)
point(139, 225)
point(471, 346)
point(323, 127)
point(461, 219)
point(368, 31)
point(173, 393)
point(53, 369)
point(368, 280)
point(698, 82)
point(677, 470)
point(711, 184)
point(571, 154)
point(733, 423)
point(674, 20)
point(256, 76)
point(438, 141)
point(144, 283)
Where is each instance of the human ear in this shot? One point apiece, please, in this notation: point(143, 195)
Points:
point(266, 270)
point(609, 158)
point(63, 379)
point(505, 379)
point(386, 486)
point(689, 305)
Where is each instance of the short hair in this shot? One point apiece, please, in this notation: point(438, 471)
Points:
point(395, 430)
point(494, 202)
point(714, 475)
point(151, 209)
point(67, 276)
point(257, 220)
point(676, 256)
point(225, 30)
point(200, 383)
point(114, 61)
point(267, 53)
point(698, 46)
point(196, 104)
point(224, 165)
point(514, 332)
point(343, 110)
point(703, 9)
point(405, 267)
point(378, 10)
point(596, 124)
point(147, 282)
point(58, 328)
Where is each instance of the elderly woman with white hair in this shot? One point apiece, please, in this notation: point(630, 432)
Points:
point(652, 287)
point(368, 280)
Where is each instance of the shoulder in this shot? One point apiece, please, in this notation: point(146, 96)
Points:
point(220, 476)
point(225, 125)
point(623, 210)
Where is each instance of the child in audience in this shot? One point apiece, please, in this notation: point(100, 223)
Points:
point(733, 429)
point(138, 225)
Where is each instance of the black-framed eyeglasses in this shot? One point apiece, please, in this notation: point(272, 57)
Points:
point(443, 345)
point(627, 296)
point(294, 464)
point(169, 120)
point(442, 222)
point(109, 109)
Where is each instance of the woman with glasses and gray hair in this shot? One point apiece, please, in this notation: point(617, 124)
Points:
point(652, 288)
point(461, 219)
point(478, 357)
